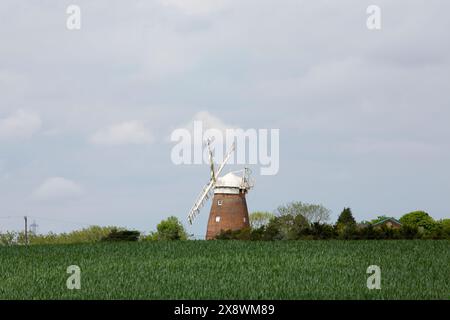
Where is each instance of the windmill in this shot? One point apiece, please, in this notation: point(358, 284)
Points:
point(229, 206)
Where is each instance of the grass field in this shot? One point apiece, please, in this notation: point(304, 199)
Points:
point(228, 270)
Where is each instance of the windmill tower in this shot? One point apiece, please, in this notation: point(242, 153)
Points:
point(229, 206)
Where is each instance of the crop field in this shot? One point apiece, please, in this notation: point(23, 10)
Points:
point(228, 270)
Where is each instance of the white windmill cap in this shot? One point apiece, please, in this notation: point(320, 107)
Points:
point(230, 180)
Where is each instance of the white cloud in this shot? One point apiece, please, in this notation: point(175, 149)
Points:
point(209, 121)
point(57, 188)
point(20, 125)
point(130, 132)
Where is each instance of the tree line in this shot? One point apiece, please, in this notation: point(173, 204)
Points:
point(303, 221)
point(293, 221)
point(168, 229)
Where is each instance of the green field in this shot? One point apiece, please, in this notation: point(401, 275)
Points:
point(228, 270)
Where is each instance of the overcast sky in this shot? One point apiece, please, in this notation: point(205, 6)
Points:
point(86, 115)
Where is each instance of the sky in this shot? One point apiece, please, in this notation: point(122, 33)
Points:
point(86, 115)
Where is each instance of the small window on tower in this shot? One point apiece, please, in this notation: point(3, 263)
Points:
point(218, 219)
point(219, 202)
point(245, 220)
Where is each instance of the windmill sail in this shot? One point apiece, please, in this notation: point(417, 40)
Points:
point(226, 159)
point(207, 189)
point(202, 198)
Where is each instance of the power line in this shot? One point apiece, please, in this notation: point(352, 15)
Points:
point(61, 220)
point(49, 219)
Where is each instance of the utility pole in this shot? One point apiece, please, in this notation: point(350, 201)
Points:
point(26, 230)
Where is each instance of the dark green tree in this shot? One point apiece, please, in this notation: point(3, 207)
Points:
point(346, 225)
point(346, 218)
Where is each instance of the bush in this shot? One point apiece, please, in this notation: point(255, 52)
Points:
point(369, 233)
point(171, 229)
point(445, 227)
point(420, 220)
point(283, 227)
point(258, 234)
point(122, 235)
point(8, 238)
point(347, 232)
point(87, 235)
point(242, 234)
point(322, 231)
point(409, 232)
